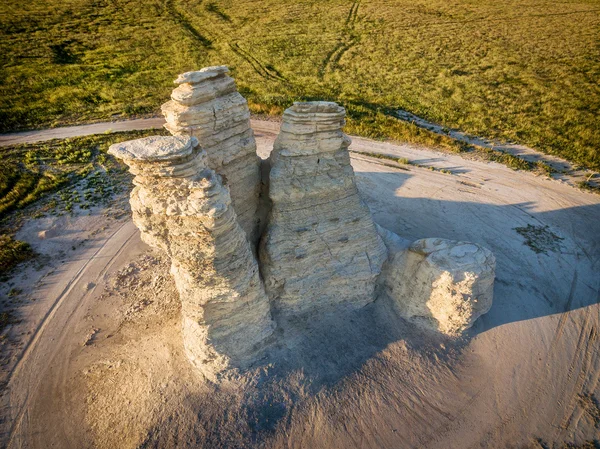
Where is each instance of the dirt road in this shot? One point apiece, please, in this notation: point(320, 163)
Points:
point(565, 171)
point(530, 370)
point(79, 130)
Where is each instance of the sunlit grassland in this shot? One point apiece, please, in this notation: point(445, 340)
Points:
point(523, 70)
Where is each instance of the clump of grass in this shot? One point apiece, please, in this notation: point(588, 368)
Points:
point(6, 318)
point(540, 239)
point(507, 159)
point(587, 186)
point(403, 161)
point(544, 168)
point(367, 121)
point(14, 292)
point(12, 252)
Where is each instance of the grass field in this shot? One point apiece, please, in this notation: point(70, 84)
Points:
point(522, 70)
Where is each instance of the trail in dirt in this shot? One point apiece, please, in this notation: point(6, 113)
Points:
point(53, 335)
point(67, 132)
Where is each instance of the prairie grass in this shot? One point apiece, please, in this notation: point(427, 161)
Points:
point(12, 252)
point(31, 171)
point(524, 71)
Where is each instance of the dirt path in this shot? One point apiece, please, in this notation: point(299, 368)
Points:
point(51, 339)
point(565, 171)
point(530, 370)
point(78, 130)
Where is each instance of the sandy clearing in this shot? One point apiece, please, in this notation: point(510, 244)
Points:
point(525, 373)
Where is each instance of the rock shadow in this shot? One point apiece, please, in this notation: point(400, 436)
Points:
point(529, 283)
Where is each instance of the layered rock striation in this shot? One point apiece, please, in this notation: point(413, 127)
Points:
point(320, 249)
point(182, 207)
point(207, 105)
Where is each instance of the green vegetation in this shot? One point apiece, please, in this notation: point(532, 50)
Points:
point(540, 239)
point(78, 171)
point(488, 154)
point(6, 318)
point(31, 171)
point(12, 252)
point(524, 71)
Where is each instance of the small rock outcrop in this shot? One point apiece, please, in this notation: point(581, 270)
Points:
point(182, 207)
point(207, 105)
point(438, 284)
point(320, 248)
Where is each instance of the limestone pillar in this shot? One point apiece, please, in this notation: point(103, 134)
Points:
point(207, 105)
point(183, 207)
point(321, 251)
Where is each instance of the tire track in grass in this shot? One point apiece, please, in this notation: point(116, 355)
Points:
point(333, 57)
point(185, 23)
point(351, 19)
point(265, 70)
point(346, 42)
point(336, 58)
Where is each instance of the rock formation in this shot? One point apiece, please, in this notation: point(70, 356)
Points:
point(183, 208)
point(438, 284)
point(207, 105)
point(320, 253)
point(321, 248)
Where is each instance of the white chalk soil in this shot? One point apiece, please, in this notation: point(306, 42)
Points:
point(95, 358)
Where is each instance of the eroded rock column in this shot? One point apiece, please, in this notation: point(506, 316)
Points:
point(207, 105)
point(182, 207)
point(321, 248)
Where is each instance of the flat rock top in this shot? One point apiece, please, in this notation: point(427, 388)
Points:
point(452, 253)
point(154, 148)
point(202, 74)
point(316, 107)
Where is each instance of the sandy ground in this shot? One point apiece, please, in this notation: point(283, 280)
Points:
point(96, 359)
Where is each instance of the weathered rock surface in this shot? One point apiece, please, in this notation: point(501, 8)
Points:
point(321, 248)
point(182, 207)
point(438, 284)
point(207, 105)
